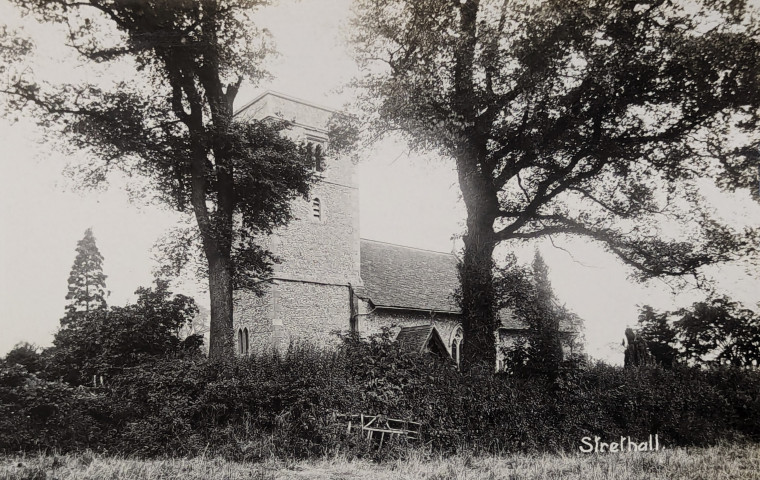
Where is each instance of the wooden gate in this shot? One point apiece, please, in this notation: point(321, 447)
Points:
point(381, 427)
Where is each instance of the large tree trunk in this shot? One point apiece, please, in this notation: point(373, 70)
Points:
point(476, 269)
point(479, 320)
point(480, 198)
point(216, 235)
point(221, 333)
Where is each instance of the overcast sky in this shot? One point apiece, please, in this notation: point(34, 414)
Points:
point(404, 200)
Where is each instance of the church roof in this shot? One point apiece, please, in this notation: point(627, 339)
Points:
point(420, 338)
point(282, 96)
point(396, 276)
point(409, 278)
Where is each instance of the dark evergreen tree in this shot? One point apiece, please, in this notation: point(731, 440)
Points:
point(546, 344)
point(87, 283)
point(528, 294)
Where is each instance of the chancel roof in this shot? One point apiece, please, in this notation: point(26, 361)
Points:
point(408, 278)
point(396, 276)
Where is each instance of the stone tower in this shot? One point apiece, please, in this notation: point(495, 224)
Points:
point(309, 296)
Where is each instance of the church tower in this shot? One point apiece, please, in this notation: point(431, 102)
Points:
point(310, 293)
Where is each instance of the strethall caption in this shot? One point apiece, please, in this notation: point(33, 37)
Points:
point(625, 445)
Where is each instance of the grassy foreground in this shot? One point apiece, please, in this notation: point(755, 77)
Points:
point(725, 462)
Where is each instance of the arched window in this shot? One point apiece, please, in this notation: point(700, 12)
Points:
point(319, 158)
point(242, 341)
point(456, 344)
point(316, 209)
point(316, 156)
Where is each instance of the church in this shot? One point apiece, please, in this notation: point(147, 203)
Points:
point(332, 280)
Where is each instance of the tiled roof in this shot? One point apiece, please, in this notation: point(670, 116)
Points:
point(413, 339)
point(511, 321)
point(406, 277)
point(416, 339)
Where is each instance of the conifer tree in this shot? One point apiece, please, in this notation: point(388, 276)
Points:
point(528, 293)
point(546, 347)
point(87, 283)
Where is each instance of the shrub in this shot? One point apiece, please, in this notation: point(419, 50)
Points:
point(26, 355)
point(103, 342)
point(36, 414)
point(288, 405)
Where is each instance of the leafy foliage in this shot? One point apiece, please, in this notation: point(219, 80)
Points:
point(660, 336)
point(572, 118)
point(173, 123)
point(288, 405)
point(36, 414)
point(104, 342)
point(87, 283)
point(526, 293)
point(27, 355)
point(715, 331)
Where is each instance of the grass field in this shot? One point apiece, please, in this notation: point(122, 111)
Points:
point(727, 462)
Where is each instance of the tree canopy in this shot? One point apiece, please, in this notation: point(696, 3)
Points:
point(87, 283)
point(711, 332)
point(573, 117)
point(26, 354)
point(171, 119)
point(660, 336)
point(104, 342)
point(526, 292)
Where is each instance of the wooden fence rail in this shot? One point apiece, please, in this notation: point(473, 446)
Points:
point(380, 426)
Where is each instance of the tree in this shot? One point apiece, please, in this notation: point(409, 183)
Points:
point(104, 342)
point(572, 118)
point(715, 331)
point(660, 336)
point(25, 354)
point(87, 284)
point(528, 294)
point(545, 327)
point(173, 122)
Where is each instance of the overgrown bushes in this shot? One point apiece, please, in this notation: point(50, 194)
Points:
point(288, 405)
point(36, 414)
point(104, 342)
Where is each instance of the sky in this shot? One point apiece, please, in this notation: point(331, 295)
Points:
point(404, 199)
